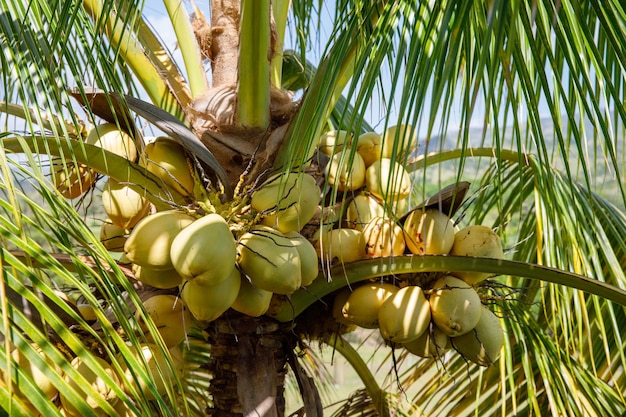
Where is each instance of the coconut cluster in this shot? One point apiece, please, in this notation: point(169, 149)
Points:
point(431, 318)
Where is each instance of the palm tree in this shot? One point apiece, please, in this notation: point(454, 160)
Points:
point(542, 81)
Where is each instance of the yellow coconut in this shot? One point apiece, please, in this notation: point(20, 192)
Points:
point(388, 180)
point(483, 344)
point(288, 201)
point(341, 245)
point(124, 206)
point(150, 240)
point(433, 343)
point(364, 302)
point(333, 141)
point(369, 147)
point(157, 365)
point(168, 278)
point(251, 300)
point(455, 306)
point(345, 171)
point(87, 312)
point(95, 382)
point(400, 140)
point(170, 317)
point(205, 250)
point(339, 302)
point(112, 236)
point(41, 377)
point(208, 302)
point(309, 263)
point(361, 210)
point(404, 315)
point(428, 232)
point(476, 240)
point(109, 137)
point(70, 179)
point(383, 237)
point(167, 160)
point(270, 260)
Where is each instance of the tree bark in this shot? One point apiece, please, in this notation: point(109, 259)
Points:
point(224, 41)
point(248, 365)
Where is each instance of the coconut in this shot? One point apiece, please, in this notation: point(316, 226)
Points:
point(251, 300)
point(404, 315)
point(41, 377)
point(476, 240)
point(400, 140)
point(124, 206)
point(95, 382)
point(341, 245)
point(167, 160)
point(70, 179)
point(270, 260)
point(164, 279)
point(109, 137)
point(169, 316)
point(383, 237)
point(158, 366)
point(455, 306)
point(433, 343)
point(361, 210)
point(345, 171)
point(388, 180)
point(208, 302)
point(150, 240)
point(87, 312)
point(369, 147)
point(112, 236)
point(428, 232)
point(287, 201)
point(339, 302)
point(483, 344)
point(205, 250)
point(309, 265)
point(333, 141)
point(364, 302)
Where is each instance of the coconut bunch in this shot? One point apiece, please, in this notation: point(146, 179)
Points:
point(363, 168)
point(429, 319)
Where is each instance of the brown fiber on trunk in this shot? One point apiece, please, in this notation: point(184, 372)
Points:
point(248, 365)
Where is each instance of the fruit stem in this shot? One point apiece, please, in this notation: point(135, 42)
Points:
point(355, 360)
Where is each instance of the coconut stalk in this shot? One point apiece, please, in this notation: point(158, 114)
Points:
point(253, 104)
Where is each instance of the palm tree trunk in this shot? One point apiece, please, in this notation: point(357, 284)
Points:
point(248, 365)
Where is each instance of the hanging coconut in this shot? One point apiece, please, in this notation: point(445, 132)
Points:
point(369, 147)
point(150, 240)
point(208, 302)
point(428, 232)
point(270, 260)
point(333, 141)
point(164, 279)
point(124, 206)
point(480, 241)
point(205, 250)
point(341, 245)
point(346, 172)
point(455, 306)
point(400, 140)
point(388, 181)
point(483, 344)
point(364, 302)
point(361, 210)
point(109, 137)
point(309, 262)
point(383, 237)
point(251, 301)
point(433, 343)
point(170, 317)
point(70, 179)
point(167, 160)
point(404, 315)
point(112, 236)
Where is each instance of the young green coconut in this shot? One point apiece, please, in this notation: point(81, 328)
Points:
point(344, 173)
point(164, 279)
point(207, 302)
point(455, 306)
point(252, 301)
point(362, 306)
point(123, 205)
point(483, 344)
point(167, 160)
point(361, 210)
point(480, 241)
point(341, 245)
point(433, 343)
point(169, 316)
point(333, 141)
point(112, 236)
point(388, 181)
point(428, 232)
point(404, 315)
point(205, 250)
point(150, 241)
